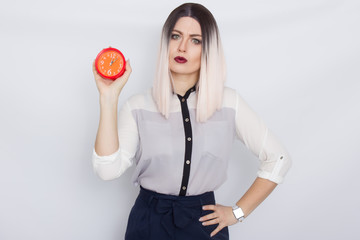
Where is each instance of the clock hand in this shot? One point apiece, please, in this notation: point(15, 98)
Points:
point(112, 61)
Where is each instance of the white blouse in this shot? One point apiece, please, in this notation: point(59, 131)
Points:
point(180, 156)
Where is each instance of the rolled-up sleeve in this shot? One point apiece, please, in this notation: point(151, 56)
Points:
point(113, 166)
point(251, 130)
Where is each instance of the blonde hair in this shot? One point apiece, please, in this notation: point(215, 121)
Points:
point(210, 86)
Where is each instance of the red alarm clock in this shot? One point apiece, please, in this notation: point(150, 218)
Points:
point(110, 63)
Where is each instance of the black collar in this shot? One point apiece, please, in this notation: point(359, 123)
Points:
point(193, 89)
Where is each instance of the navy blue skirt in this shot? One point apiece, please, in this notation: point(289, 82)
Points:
point(156, 216)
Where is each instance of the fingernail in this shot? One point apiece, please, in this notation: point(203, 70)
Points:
point(203, 208)
point(200, 219)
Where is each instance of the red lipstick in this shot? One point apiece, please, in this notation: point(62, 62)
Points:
point(179, 59)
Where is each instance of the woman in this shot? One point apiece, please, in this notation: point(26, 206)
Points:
point(179, 135)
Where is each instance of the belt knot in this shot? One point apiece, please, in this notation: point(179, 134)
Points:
point(175, 214)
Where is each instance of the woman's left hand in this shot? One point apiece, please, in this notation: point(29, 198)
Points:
point(222, 215)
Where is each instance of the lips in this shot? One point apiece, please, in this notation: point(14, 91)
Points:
point(179, 59)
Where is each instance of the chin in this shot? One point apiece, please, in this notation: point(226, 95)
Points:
point(183, 70)
point(176, 71)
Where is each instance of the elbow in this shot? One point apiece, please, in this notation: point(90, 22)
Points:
point(276, 169)
point(110, 167)
point(285, 164)
point(282, 166)
point(106, 171)
point(106, 175)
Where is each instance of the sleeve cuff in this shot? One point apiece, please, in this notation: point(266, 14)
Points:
point(271, 177)
point(105, 159)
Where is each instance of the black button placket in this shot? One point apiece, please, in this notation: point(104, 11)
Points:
point(188, 141)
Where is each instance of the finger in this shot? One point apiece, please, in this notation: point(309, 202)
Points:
point(207, 217)
point(121, 81)
point(218, 229)
point(95, 72)
point(209, 207)
point(211, 222)
point(127, 72)
point(93, 67)
point(128, 68)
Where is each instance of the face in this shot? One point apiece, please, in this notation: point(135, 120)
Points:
point(185, 47)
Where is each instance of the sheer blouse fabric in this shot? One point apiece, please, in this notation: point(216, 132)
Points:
point(157, 145)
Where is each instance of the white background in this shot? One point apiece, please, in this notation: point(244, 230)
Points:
point(295, 62)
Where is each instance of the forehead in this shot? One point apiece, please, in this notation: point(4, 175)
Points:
point(188, 25)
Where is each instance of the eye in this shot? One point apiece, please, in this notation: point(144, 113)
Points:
point(175, 36)
point(196, 41)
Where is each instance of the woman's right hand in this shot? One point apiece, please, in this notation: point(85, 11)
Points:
point(111, 88)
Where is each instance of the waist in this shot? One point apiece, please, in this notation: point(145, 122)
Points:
point(201, 199)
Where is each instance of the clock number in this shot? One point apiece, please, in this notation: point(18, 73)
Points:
point(109, 72)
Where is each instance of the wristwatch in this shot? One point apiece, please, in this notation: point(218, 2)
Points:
point(238, 213)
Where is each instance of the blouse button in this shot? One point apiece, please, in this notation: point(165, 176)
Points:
point(183, 99)
point(281, 157)
point(188, 162)
point(186, 119)
point(183, 188)
point(189, 139)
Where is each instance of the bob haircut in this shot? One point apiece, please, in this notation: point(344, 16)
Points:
point(210, 85)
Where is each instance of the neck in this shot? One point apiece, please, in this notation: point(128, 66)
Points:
point(183, 82)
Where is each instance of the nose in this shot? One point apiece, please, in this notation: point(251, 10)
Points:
point(182, 46)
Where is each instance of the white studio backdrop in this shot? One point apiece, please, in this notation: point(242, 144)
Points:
point(295, 62)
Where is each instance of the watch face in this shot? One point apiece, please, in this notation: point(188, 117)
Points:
point(110, 63)
point(239, 215)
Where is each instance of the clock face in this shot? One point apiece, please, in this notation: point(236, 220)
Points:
point(110, 63)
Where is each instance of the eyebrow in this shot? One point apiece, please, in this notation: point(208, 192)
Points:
point(191, 35)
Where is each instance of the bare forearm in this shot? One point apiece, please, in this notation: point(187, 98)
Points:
point(258, 192)
point(107, 141)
